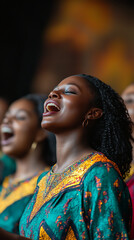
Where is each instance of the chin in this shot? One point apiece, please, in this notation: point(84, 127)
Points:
point(6, 150)
point(49, 127)
point(46, 125)
point(9, 152)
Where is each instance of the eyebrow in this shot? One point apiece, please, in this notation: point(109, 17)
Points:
point(74, 84)
point(70, 84)
point(18, 111)
point(130, 93)
point(24, 110)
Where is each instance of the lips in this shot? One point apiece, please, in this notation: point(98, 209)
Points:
point(51, 107)
point(6, 135)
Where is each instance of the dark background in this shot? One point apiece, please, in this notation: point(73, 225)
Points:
point(22, 23)
point(21, 27)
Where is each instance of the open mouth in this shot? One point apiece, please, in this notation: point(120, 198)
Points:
point(6, 134)
point(52, 107)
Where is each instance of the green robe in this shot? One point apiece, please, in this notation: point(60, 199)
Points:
point(89, 200)
point(7, 166)
point(14, 197)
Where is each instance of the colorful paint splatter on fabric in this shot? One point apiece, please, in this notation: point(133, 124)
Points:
point(89, 200)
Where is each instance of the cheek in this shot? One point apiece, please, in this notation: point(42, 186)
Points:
point(71, 115)
point(131, 112)
point(22, 143)
point(75, 110)
point(25, 133)
point(25, 128)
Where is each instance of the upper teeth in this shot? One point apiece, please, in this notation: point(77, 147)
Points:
point(51, 104)
point(6, 130)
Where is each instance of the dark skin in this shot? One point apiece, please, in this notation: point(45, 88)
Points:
point(66, 113)
point(73, 98)
point(128, 97)
point(4, 235)
point(22, 121)
point(3, 108)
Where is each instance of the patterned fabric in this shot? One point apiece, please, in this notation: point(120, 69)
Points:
point(130, 184)
point(14, 197)
point(89, 200)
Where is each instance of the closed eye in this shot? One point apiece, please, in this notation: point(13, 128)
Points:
point(70, 92)
point(21, 117)
point(129, 101)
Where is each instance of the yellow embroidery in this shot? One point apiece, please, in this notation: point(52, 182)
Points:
point(43, 235)
point(72, 180)
point(17, 194)
point(130, 173)
point(70, 234)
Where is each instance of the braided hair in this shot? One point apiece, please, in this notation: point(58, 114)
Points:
point(112, 132)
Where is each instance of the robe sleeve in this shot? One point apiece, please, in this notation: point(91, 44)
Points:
point(107, 203)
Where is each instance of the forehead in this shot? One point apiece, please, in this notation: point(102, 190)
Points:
point(128, 91)
point(80, 82)
point(3, 102)
point(22, 104)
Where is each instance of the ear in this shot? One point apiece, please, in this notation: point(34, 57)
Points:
point(41, 135)
point(94, 113)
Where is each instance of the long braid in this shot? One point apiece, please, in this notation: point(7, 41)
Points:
point(112, 133)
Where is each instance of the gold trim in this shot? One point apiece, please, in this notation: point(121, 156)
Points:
point(43, 235)
point(24, 189)
point(73, 180)
point(70, 234)
point(130, 173)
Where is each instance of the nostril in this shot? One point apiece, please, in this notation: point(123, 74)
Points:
point(4, 119)
point(50, 95)
point(7, 119)
point(53, 95)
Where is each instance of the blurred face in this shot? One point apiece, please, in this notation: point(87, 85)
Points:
point(3, 108)
point(67, 105)
point(128, 96)
point(19, 128)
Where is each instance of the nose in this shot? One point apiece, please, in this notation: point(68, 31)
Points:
point(54, 94)
point(6, 119)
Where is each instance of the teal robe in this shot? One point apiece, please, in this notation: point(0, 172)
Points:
point(89, 200)
point(7, 166)
point(14, 196)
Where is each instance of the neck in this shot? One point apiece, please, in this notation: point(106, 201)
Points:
point(70, 149)
point(29, 165)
